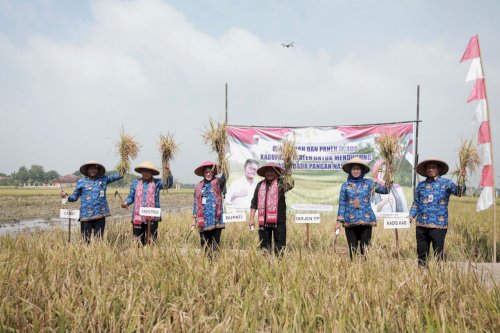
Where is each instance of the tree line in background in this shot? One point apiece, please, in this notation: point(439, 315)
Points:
point(36, 176)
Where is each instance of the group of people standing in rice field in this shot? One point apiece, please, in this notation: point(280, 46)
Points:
point(355, 212)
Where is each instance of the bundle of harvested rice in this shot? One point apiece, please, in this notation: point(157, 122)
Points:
point(215, 135)
point(128, 149)
point(168, 149)
point(389, 150)
point(469, 162)
point(288, 153)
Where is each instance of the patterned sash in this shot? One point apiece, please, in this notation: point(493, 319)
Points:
point(150, 199)
point(268, 207)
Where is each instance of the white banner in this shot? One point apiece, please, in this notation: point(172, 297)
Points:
point(318, 171)
point(307, 218)
point(150, 211)
point(69, 214)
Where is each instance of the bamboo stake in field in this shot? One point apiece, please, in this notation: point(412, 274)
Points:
point(149, 231)
point(69, 230)
point(168, 149)
point(127, 148)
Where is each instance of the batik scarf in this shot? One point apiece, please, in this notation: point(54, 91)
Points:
point(200, 215)
point(150, 199)
point(267, 203)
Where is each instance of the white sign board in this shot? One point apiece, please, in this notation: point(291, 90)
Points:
point(150, 211)
point(234, 217)
point(69, 214)
point(307, 218)
point(397, 221)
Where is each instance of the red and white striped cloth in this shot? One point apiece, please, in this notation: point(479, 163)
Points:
point(478, 93)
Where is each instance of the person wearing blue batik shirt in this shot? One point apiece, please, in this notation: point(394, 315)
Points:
point(145, 192)
point(355, 211)
point(430, 207)
point(91, 190)
point(207, 207)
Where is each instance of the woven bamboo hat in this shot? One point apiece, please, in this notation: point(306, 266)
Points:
point(443, 166)
point(147, 165)
point(262, 170)
point(356, 160)
point(84, 169)
point(199, 170)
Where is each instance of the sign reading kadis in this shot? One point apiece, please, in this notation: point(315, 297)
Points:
point(69, 214)
point(396, 221)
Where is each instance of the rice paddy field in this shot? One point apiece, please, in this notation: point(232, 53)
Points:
point(48, 284)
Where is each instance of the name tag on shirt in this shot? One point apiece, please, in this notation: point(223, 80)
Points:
point(430, 198)
point(204, 201)
point(101, 194)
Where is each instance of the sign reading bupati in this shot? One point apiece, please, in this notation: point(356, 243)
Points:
point(234, 217)
point(318, 172)
point(69, 214)
point(150, 212)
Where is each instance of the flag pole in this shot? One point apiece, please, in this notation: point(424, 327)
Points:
point(416, 140)
point(494, 193)
point(226, 105)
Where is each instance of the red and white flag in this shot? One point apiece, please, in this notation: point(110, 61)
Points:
point(472, 50)
point(475, 70)
point(478, 93)
point(480, 114)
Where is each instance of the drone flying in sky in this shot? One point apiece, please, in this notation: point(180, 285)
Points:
point(287, 44)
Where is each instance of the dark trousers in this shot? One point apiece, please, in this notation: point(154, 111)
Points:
point(95, 227)
point(210, 240)
point(426, 237)
point(358, 238)
point(267, 234)
point(141, 231)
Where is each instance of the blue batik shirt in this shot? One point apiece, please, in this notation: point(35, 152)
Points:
point(159, 186)
point(430, 204)
point(92, 194)
point(348, 214)
point(210, 207)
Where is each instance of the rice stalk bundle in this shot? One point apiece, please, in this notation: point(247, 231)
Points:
point(168, 149)
point(469, 161)
point(389, 149)
point(289, 155)
point(128, 148)
point(215, 135)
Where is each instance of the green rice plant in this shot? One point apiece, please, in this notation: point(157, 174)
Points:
point(288, 153)
point(168, 149)
point(215, 135)
point(47, 284)
point(128, 148)
point(469, 161)
point(389, 150)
